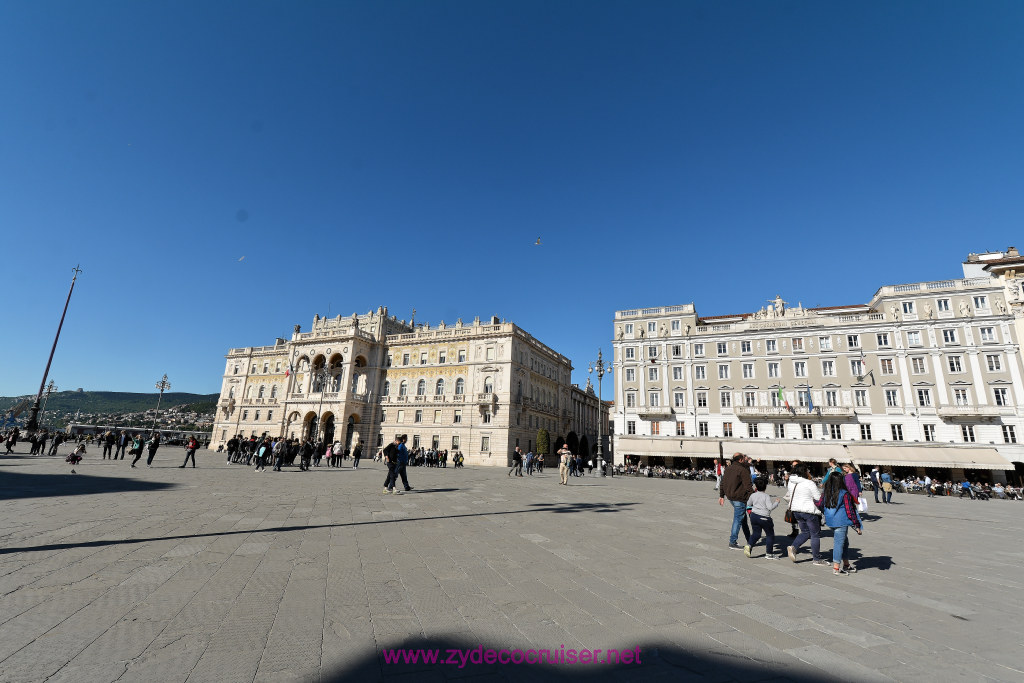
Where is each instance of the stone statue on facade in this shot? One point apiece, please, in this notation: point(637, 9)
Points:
point(297, 329)
point(778, 306)
point(894, 312)
point(965, 310)
point(618, 334)
point(1000, 306)
point(928, 312)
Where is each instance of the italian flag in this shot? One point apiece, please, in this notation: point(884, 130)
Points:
point(782, 399)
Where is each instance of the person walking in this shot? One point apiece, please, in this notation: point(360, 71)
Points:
point(759, 507)
point(12, 440)
point(403, 462)
point(108, 444)
point(136, 448)
point(305, 454)
point(389, 455)
point(153, 444)
point(190, 452)
point(737, 487)
point(280, 450)
point(517, 463)
point(529, 463)
point(876, 484)
point(122, 444)
point(264, 450)
point(840, 513)
point(564, 458)
point(928, 485)
point(357, 453)
point(718, 473)
point(803, 495)
point(886, 479)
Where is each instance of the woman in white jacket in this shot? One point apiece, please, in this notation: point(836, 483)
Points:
point(802, 494)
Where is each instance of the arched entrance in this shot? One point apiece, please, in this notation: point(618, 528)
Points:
point(556, 445)
point(350, 430)
point(573, 441)
point(585, 447)
point(311, 426)
point(328, 421)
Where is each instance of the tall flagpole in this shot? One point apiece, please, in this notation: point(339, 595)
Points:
point(33, 418)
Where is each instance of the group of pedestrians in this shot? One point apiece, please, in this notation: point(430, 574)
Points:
point(258, 452)
point(835, 503)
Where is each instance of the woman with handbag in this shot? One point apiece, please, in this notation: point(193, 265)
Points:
point(840, 515)
point(803, 495)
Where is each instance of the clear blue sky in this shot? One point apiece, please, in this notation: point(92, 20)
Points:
point(408, 154)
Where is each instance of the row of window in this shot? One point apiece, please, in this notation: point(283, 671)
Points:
point(417, 417)
point(833, 431)
point(886, 366)
point(269, 418)
point(435, 442)
point(442, 356)
point(961, 397)
point(853, 341)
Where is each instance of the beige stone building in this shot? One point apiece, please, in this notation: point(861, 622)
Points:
point(924, 374)
point(481, 388)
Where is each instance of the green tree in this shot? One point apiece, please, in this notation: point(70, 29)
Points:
point(543, 441)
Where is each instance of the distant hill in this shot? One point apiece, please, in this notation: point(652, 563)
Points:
point(116, 401)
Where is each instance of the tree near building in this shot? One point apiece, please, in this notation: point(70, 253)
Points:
point(543, 441)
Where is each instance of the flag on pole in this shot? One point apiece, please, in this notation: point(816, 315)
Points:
point(289, 370)
point(810, 403)
point(782, 399)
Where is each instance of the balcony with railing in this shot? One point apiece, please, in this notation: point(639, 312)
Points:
point(972, 411)
point(655, 412)
point(486, 398)
point(782, 412)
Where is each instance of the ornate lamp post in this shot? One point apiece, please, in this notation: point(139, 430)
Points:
point(50, 388)
point(163, 385)
point(600, 367)
point(320, 377)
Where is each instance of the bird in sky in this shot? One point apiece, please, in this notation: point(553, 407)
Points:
point(537, 243)
point(242, 259)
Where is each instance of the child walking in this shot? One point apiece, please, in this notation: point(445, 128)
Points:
point(760, 506)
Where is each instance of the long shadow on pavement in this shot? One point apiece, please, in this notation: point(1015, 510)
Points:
point(469, 659)
point(536, 507)
point(15, 485)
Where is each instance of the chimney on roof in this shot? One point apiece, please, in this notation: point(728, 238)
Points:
point(1012, 251)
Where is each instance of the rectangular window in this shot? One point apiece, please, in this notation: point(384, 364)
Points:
point(799, 368)
point(832, 398)
point(630, 399)
point(771, 346)
point(257, 416)
point(675, 325)
point(702, 429)
point(415, 440)
point(727, 429)
point(702, 399)
point(630, 353)
point(882, 338)
point(631, 427)
point(698, 349)
point(486, 417)
point(723, 349)
point(897, 432)
point(442, 356)
point(949, 337)
point(924, 398)
point(1009, 434)
point(677, 373)
point(655, 429)
point(245, 414)
point(981, 302)
point(780, 431)
point(825, 343)
point(630, 374)
point(806, 431)
point(652, 351)
point(680, 429)
point(942, 305)
point(857, 367)
point(994, 363)
point(853, 341)
point(726, 399)
point(490, 353)
point(652, 374)
point(801, 399)
point(749, 399)
point(917, 365)
point(748, 370)
point(835, 431)
point(462, 355)
point(700, 372)
point(865, 432)
point(654, 399)
point(437, 417)
point(401, 416)
point(861, 398)
point(418, 416)
point(955, 364)
point(745, 347)
point(887, 366)
point(751, 430)
point(967, 431)
point(266, 367)
point(929, 432)
point(405, 359)
point(773, 369)
point(1000, 394)
point(679, 399)
point(629, 328)
point(892, 398)
point(914, 338)
point(652, 327)
point(961, 397)
point(988, 334)
point(828, 368)
point(908, 307)
point(270, 415)
point(485, 444)
point(723, 372)
point(677, 350)
point(798, 343)
point(457, 418)
point(423, 359)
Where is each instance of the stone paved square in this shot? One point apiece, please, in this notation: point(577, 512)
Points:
point(223, 574)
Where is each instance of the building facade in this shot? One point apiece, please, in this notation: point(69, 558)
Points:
point(481, 388)
point(933, 365)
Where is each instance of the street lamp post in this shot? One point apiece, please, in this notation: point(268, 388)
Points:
point(321, 376)
point(600, 367)
point(163, 385)
point(50, 388)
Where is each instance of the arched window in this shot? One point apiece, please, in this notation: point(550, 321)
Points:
point(488, 385)
point(421, 387)
point(248, 392)
point(439, 387)
point(460, 387)
point(519, 391)
point(260, 393)
point(273, 391)
point(231, 392)
point(360, 362)
point(403, 388)
point(387, 388)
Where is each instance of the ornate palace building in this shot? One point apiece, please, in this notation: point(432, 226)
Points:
point(483, 388)
point(923, 375)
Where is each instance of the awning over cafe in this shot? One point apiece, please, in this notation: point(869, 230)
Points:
point(930, 456)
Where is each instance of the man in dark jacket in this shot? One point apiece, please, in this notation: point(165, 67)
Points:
point(390, 455)
point(737, 487)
